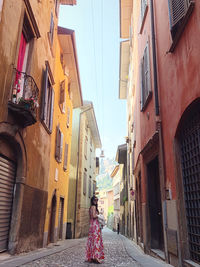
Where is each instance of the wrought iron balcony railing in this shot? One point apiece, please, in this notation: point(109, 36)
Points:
point(23, 103)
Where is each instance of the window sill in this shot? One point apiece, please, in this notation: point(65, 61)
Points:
point(46, 128)
point(143, 19)
point(191, 263)
point(181, 28)
point(147, 101)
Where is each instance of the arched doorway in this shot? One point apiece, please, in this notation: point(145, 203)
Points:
point(8, 164)
point(51, 232)
point(188, 136)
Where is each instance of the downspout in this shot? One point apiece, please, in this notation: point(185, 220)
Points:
point(155, 78)
point(77, 167)
point(159, 129)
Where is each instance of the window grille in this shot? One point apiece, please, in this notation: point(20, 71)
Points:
point(190, 160)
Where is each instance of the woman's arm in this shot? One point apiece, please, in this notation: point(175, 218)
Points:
point(93, 212)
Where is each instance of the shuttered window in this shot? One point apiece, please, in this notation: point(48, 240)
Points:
point(94, 187)
point(59, 144)
point(47, 102)
point(65, 157)
point(90, 187)
point(62, 96)
point(143, 8)
point(57, 4)
point(179, 11)
point(84, 183)
point(85, 147)
point(51, 31)
point(145, 78)
point(68, 117)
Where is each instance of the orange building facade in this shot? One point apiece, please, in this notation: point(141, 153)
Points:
point(163, 101)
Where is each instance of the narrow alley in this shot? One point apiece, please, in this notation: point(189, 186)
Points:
point(119, 251)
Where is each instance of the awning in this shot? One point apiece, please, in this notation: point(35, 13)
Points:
point(124, 68)
point(67, 41)
point(126, 7)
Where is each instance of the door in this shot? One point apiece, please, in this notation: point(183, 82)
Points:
point(51, 232)
point(190, 162)
point(155, 206)
point(7, 181)
point(60, 218)
point(139, 221)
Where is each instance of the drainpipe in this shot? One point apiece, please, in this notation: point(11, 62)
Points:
point(155, 78)
point(159, 128)
point(77, 168)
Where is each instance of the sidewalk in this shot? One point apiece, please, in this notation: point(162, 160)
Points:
point(7, 260)
point(136, 253)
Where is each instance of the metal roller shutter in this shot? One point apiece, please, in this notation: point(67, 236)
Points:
point(7, 180)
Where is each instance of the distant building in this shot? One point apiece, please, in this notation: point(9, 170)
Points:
point(83, 169)
point(115, 175)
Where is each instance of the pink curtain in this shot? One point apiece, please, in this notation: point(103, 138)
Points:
point(20, 61)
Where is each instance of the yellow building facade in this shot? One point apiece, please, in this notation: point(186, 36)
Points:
point(67, 92)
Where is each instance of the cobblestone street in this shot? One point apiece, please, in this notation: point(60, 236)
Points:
point(119, 252)
point(115, 254)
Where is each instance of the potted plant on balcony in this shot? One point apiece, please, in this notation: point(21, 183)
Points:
point(28, 103)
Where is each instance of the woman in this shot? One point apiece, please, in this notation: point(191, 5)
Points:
point(94, 250)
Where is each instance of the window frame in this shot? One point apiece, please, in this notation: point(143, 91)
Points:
point(62, 101)
point(145, 78)
point(59, 144)
point(143, 13)
point(51, 30)
point(47, 109)
point(65, 163)
point(177, 28)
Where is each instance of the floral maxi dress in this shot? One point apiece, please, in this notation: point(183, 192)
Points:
point(94, 249)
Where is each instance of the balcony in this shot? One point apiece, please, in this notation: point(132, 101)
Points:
point(23, 103)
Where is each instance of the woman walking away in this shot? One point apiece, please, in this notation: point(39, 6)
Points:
point(94, 250)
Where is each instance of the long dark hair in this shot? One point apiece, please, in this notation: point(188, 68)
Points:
point(94, 204)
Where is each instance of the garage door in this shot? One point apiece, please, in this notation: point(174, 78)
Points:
point(7, 180)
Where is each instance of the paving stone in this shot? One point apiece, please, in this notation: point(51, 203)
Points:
point(115, 255)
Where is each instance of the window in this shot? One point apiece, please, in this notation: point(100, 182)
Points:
point(90, 187)
point(94, 187)
point(62, 96)
point(47, 100)
point(59, 144)
point(1, 5)
point(65, 157)
point(51, 31)
point(84, 182)
point(143, 13)
point(68, 117)
point(179, 12)
point(143, 8)
point(91, 158)
point(145, 78)
point(26, 40)
point(57, 4)
point(85, 147)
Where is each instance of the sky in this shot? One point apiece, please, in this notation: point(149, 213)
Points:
point(96, 25)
